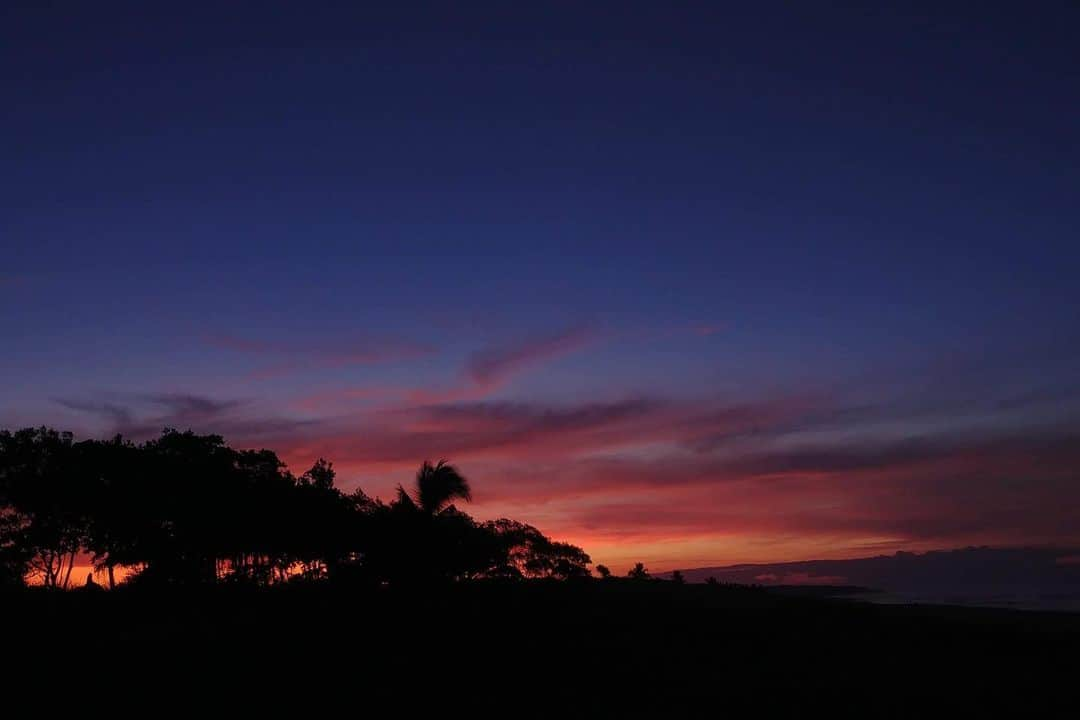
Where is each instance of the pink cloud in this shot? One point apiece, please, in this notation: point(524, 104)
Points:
point(547, 471)
point(394, 435)
point(742, 480)
point(772, 480)
point(484, 373)
point(493, 366)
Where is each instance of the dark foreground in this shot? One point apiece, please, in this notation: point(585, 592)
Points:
point(600, 648)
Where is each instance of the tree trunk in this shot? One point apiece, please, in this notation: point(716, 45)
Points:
point(70, 567)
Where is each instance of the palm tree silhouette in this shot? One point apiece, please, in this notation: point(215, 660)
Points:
point(436, 487)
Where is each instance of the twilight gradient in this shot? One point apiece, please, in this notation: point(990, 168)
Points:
point(678, 283)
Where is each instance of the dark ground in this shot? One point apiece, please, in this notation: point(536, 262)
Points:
point(600, 648)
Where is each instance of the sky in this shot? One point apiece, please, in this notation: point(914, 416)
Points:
point(683, 283)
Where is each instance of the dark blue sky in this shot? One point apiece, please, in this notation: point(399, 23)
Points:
point(333, 215)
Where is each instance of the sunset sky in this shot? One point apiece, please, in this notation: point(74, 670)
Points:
point(678, 282)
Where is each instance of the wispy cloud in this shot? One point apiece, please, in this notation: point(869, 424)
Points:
point(118, 415)
point(397, 436)
point(281, 358)
point(196, 407)
point(487, 370)
point(494, 365)
point(484, 372)
point(142, 416)
point(731, 477)
point(779, 476)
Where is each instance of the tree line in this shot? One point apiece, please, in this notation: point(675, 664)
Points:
point(186, 508)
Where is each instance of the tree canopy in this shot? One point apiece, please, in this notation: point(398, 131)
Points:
point(186, 508)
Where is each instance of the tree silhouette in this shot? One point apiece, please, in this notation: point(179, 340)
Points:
point(324, 523)
point(438, 485)
point(14, 554)
point(320, 476)
point(603, 571)
point(638, 572)
point(111, 532)
point(187, 509)
point(677, 577)
point(43, 489)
